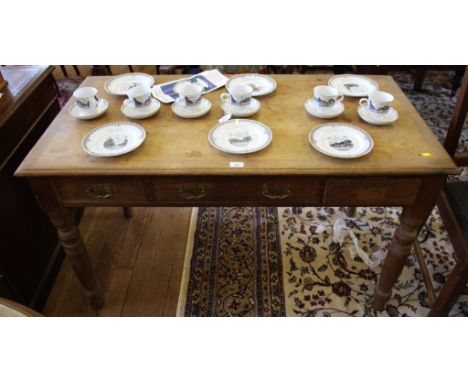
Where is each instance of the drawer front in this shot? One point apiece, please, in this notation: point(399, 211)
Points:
point(237, 191)
point(101, 191)
point(371, 192)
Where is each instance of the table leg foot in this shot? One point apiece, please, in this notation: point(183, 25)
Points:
point(380, 298)
point(128, 212)
point(97, 301)
point(351, 212)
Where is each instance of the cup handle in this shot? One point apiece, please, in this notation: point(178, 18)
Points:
point(339, 98)
point(225, 97)
point(363, 100)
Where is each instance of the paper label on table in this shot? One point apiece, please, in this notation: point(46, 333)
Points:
point(236, 164)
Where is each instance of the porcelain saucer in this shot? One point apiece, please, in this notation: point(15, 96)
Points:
point(240, 136)
point(377, 119)
point(341, 140)
point(113, 139)
point(192, 111)
point(315, 110)
point(241, 111)
point(130, 111)
point(79, 113)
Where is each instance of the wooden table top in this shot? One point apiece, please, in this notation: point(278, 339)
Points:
point(176, 146)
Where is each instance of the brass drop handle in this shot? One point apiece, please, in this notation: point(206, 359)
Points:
point(276, 192)
point(99, 191)
point(192, 192)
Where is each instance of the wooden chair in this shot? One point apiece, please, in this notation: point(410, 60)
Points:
point(160, 69)
point(453, 208)
point(75, 68)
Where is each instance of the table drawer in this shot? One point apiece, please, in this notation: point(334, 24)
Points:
point(102, 191)
point(238, 191)
point(370, 192)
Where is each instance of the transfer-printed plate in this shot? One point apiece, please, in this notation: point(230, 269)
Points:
point(341, 140)
point(240, 136)
point(113, 139)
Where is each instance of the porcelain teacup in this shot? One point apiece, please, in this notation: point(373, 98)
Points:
point(326, 96)
point(239, 95)
point(139, 95)
point(378, 102)
point(190, 94)
point(86, 99)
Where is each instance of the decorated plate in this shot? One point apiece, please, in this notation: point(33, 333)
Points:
point(120, 85)
point(352, 85)
point(260, 84)
point(341, 140)
point(113, 139)
point(240, 136)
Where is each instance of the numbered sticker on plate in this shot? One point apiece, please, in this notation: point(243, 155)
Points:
point(236, 164)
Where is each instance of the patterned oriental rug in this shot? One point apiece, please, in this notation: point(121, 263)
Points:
point(284, 261)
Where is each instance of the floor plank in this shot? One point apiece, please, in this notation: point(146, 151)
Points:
point(138, 262)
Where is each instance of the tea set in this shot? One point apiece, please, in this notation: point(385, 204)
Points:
point(376, 109)
point(239, 101)
point(190, 103)
point(236, 136)
point(88, 105)
point(140, 104)
point(326, 102)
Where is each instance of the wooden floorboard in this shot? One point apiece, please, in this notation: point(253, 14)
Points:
point(138, 262)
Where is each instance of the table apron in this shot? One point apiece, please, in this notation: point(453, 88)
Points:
point(236, 191)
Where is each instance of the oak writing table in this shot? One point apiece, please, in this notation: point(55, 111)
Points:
point(176, 166)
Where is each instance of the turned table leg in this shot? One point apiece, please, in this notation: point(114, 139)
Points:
point(70, 238)
point(411, 221)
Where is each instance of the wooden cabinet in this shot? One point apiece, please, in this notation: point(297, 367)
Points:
point(29, 250)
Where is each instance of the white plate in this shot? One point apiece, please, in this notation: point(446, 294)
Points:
point(341, 140)
point(241, 111)
point(79, 113)
point(323, 112)
point(130, 111)
point(240, 136)
point(375, 118)
point(261, 84)
point(113, 139)
point(119, 85)
point(192, 111)
point(353, 86)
